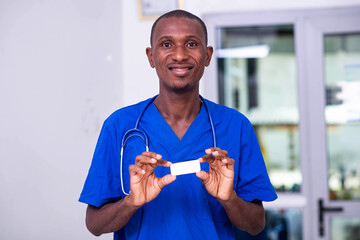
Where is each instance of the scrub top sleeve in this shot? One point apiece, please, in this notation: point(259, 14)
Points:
point(102, 184)
point(253, 180)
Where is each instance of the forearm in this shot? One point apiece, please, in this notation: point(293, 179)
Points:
point(246, 216)
point(109, 218)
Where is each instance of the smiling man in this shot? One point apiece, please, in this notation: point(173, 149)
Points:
point(179, 53)
point(130, 189)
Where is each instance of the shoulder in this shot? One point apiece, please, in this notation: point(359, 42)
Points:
point(127, 115)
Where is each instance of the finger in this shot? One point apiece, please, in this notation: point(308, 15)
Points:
point(163, 162)
point(167, 179)
point(227, 163)
point(204, 176)
point(211, 150)
point(230, 163)
point(147, 158)
point(153, 162)
point(215, 162)
point(207, 158)
point(152, 155)
point(225, 167)
point(216, 152)
point(134, 170)
point(220, 154)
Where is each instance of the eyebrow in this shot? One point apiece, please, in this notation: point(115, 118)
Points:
point(187, 37)
point(193, 36)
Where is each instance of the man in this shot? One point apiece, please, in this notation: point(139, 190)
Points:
point(228, 191)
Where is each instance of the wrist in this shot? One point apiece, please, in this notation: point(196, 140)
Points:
point(130, 202)
point(228, 200)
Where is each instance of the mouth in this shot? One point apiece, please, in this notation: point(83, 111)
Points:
point(180, 70)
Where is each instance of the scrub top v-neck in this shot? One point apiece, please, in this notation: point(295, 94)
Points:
point(163, 140)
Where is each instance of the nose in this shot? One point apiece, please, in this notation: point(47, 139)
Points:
point(179, 54)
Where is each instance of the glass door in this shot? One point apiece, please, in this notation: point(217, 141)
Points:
point(296, 76)
point(256, 71)
point(251, 81)
point(334, 74)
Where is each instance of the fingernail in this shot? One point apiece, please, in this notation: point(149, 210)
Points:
point(158, 156)
point(142, 171)
point(215, 153)
point(224, 160)
point(153, 159)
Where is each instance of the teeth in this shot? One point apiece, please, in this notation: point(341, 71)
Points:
point(180, 69)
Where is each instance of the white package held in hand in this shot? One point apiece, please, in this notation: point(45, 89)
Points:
point(185, 167)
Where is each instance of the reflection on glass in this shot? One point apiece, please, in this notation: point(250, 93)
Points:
point(257, 76)
point(345, 228)
point(342, 113)
point(285, 224)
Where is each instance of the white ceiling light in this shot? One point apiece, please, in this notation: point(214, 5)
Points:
point(258, 51)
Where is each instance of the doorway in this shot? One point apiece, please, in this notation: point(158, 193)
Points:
point(296, 76)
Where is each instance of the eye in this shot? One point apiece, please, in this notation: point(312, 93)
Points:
point(166, 44)
point(191, 44)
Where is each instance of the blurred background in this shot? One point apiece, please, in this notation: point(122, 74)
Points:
point(292, 67)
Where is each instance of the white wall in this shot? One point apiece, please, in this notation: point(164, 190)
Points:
point(60, 75)
point(64, 67)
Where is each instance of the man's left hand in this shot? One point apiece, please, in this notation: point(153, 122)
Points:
point(219, 180)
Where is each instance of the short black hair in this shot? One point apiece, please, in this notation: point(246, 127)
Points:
point(180, 14)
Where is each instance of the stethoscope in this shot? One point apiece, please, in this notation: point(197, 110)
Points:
point(136, 132)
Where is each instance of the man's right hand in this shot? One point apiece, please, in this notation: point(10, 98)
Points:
point(144, 185)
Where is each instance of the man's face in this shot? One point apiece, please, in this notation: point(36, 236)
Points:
point(179, 53)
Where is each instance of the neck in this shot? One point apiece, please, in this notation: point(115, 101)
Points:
point(179, 111)
point(176, 106)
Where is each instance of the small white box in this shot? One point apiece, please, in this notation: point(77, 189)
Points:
point(181, 168)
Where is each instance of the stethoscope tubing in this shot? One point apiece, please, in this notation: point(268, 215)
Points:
point(136, 132)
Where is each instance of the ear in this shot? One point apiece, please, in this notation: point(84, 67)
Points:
point(209, 52)
point(150, 57)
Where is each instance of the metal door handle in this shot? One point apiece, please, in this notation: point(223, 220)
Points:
point(322, 210)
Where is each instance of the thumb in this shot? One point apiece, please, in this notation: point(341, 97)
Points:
point(204, 176)
point(167, 179)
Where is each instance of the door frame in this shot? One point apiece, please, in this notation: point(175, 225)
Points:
point(316, 27)
point(309, 27)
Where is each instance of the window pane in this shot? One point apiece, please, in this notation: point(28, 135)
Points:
point(257, 76)
point(342, 114)
point(280, 224)
point(345, 228)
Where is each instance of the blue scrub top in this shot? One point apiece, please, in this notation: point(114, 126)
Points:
point(183, 209)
